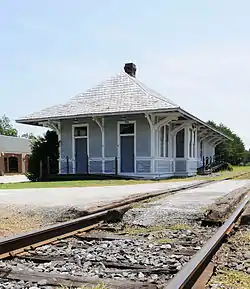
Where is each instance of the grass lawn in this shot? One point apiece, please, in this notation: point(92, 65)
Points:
point(237, 170)
point(91, 183)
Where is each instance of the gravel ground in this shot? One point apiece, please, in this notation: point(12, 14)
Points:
point(233, 262)
point(150, 250)
point(157, 253)
point(15, 219)
point(150, 254)
point(147, 254)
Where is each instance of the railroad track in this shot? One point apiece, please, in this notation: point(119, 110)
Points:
point(37, 248)
point(197, 272)
point(9, 247)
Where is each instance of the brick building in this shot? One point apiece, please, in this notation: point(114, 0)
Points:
point(14, 153)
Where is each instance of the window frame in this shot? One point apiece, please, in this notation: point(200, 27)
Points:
point(79, 127)
point(177, 156)
point(129, 133)
point(201, 149)
point(192, 143)
point(163, 147)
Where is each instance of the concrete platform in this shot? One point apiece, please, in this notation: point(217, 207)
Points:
point(81, 197)
point(184, 205)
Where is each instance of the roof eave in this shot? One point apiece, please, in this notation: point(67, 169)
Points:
point(35, 121)
point(203, 123)
point(38, 121)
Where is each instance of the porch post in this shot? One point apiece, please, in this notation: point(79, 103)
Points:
point(60, 147)
point(153, 148)
point(151, 122)
point(101, 126)
point(186, 143)
point(103, 146)
point(170, 147)
point(196, 144)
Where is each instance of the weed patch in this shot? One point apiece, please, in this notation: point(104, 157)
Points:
point(231, 280)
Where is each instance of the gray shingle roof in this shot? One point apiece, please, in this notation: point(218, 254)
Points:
point(119, 94)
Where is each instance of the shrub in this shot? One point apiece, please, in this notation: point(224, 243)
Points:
point(44, 149)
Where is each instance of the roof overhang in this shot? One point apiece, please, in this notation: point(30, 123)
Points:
point(40, 120)
point(43, 121)
point(203, 125)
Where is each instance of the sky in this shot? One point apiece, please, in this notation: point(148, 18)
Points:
point(197, 53)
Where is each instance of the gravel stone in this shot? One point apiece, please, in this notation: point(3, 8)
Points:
point(167, 249)
point(91, 258)
point(232, 256)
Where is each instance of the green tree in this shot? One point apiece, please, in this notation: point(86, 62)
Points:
point(45, 151)
point(246, 157)
point(6, 127)
point(232, 151)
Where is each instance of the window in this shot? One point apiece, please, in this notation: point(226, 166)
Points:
point(164, 141)
point(190, 142)
point(180, 144)
point(80, 131)
point(192, 135)
point(201, 149)
point(127, 128)
point(194, 154)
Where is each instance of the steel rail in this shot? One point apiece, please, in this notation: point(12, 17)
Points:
point(9, 245)
point(12, 245)
point(187, 277)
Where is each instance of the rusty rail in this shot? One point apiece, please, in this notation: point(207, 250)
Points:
point(8, 245)
point(12, 245)
point(187, 277)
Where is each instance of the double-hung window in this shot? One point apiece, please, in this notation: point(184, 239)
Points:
point(192, 139)
point(164, 131)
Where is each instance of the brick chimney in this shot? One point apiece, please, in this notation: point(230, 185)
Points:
point(130, 68)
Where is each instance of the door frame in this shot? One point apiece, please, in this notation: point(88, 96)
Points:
point(119, 144)
point(77, 137)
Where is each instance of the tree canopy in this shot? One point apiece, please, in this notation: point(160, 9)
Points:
point(229, 151)
point(6, 128)
point(45, 151)
point(246, 158)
